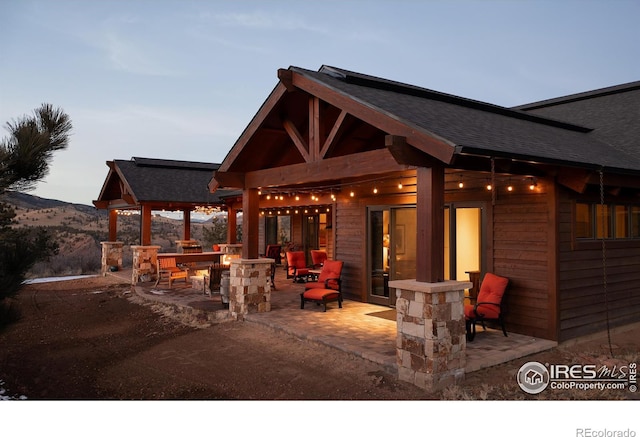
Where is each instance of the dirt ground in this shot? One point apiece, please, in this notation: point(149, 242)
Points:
point(88, 339)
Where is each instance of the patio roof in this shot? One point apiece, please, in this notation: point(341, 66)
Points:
point(164, 183)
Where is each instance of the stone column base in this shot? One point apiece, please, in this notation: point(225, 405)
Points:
point(144, 262)
point(111, 256)
point(250, 286)
point(431, 341)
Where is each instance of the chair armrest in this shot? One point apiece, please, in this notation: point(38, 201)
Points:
point(485, 303)
point(475, 307)
point(338, 280)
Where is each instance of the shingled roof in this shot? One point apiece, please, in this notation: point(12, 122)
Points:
point(160, 181)
point(480, 128)
point(612, 112)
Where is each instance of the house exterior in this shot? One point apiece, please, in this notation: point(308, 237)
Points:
point(402, 182)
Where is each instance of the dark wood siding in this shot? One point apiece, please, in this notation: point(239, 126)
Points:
point(350, 240)
point(582, 301)
point(523, 239)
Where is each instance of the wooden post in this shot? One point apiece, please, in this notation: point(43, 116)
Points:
point(113, 224)
point(186, 223)
point(145, 225)
point(430, 238)
point(232, 237)
point(250, 223)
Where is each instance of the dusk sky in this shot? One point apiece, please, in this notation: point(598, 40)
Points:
point(182, 79)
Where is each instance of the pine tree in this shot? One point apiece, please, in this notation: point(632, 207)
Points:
point(24, 160)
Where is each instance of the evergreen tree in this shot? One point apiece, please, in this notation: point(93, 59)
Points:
point(24, 160)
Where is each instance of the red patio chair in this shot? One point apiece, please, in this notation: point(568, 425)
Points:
point(318, 257)
point(297, 266)
point(488, 305)
point(327, 289)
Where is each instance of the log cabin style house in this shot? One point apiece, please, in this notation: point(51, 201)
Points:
point(401, 182)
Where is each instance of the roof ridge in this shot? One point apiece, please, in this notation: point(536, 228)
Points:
point(585, 95)
point(172, 163)
point(355, 78)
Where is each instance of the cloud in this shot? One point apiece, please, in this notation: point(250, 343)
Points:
point(124, 54)
point(288, 22)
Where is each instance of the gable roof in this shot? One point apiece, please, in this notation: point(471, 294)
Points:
point(159, 181)
point(446, 127)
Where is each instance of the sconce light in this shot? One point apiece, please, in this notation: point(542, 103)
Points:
point(533, 183)
point(509, 187)
point(460, 183)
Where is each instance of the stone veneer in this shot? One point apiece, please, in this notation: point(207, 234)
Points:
point(111, 256)
point(431, 341)
point(144, 262)
point(250, 286)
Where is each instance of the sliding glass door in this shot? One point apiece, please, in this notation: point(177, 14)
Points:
point(392, 250)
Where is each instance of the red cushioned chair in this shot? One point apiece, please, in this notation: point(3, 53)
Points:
point(318, 257)
point(297, 266)
point(327, 289)
point(488, 305)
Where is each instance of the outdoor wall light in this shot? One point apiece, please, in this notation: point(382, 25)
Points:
point(533, 183)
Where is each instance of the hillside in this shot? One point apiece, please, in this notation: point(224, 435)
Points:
point(79, 229)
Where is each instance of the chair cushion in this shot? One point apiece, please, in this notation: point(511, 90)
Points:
point(486, 311)
point(330, 270)
point(492, 288)
point(296, 259)
point(320, 294)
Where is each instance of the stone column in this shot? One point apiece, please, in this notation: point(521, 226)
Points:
point(145, 260)
point(250, 286)
point(111, 256)
point(431, 342)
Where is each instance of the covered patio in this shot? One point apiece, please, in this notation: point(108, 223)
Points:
point(361, 329)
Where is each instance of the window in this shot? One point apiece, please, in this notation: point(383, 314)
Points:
point(635, 221)
point(622, 221)
point(603, 221)
point(584, 220)
point(596, 221)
